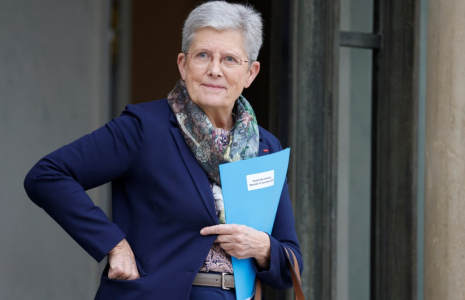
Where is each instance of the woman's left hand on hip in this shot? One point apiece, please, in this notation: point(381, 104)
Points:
point(242, 242)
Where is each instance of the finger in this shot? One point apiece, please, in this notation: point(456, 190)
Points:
point(133, 272)
point(211, 230)
point(225, 238)
point(117, 273)
point(217, 229)
point(123, 268)
point(238, 239)
point(129, 275)
point(228, 246)
point(112, 274)
point(237, 252)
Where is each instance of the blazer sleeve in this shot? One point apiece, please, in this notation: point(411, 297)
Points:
point(283, 235)
point(57, 183)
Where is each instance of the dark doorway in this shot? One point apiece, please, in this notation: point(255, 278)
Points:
point(156, 29)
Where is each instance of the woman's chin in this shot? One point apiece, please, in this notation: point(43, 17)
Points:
point(212, 100)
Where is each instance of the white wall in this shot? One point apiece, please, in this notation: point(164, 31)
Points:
point(53, 89)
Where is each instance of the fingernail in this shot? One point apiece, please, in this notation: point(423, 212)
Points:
point(202, 231)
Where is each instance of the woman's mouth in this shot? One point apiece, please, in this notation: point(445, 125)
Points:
point(213, 86)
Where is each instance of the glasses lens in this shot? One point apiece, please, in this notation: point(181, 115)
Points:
point(202, 57)
point(231, 61)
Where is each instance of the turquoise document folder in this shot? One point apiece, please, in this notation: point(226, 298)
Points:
point(251, 192)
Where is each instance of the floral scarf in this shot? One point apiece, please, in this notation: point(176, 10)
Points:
point(198, 133)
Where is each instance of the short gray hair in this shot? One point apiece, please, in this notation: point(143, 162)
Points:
point(221, 15)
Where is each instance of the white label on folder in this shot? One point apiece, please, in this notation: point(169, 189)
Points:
point(260, 180)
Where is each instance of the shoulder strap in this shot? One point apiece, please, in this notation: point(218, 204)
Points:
point(295, 274)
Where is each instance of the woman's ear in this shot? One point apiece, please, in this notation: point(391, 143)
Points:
point(182, 65)
point(252, 73)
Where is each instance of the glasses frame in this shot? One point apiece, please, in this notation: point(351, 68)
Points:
point(192, 53)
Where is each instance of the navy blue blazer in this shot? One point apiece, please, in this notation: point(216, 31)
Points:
point(161, 199)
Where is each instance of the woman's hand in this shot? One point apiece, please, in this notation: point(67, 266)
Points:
point(242, 242)
point(122, 262)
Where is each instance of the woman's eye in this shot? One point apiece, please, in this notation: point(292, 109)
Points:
point(202, 55)
point(230, 59)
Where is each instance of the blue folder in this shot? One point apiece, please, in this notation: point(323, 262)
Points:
point(251, 192)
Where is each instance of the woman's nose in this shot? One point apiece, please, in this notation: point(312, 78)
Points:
point(215, 67)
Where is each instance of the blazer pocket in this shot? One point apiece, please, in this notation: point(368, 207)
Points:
point(142, 273)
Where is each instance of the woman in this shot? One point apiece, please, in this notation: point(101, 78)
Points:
point(168, 238)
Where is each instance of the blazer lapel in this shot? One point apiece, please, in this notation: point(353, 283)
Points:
point(195, 170)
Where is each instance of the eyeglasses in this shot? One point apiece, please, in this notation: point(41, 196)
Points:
point(202, 58)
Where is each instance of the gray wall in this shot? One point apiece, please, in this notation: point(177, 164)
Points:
point(53, 89)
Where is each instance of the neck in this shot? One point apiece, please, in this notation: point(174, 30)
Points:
point(221, 120)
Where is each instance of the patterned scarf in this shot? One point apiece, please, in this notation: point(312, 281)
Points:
point(198, 131)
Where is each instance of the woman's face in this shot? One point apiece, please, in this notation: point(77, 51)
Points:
point(215, 86)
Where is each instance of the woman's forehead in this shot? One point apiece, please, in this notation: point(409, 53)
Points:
point(218, 41)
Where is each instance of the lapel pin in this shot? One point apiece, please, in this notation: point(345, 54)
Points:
point(265, 150)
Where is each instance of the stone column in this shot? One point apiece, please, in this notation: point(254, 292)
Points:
point(313, 140)
point(445, 152)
